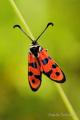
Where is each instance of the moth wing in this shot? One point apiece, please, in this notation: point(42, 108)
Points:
point(34, 73)
point(50, 67)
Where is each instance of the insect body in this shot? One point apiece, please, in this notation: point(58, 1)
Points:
point(40, 62)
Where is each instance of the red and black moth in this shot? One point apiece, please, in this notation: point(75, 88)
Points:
point(40, 62)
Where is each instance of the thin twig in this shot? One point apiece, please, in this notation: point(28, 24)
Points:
point(21, 18)
point(67, 102)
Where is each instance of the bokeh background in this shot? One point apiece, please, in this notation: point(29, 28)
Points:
point(17, 101)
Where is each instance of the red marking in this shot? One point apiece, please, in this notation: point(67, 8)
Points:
point(34, 82)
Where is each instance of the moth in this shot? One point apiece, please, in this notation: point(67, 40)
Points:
point(40, 62)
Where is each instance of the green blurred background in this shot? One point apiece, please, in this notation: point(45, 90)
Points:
point(17, 101)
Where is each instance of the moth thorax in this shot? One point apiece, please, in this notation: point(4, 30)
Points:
point(35, 50)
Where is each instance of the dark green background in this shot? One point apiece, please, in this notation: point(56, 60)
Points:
point(17, 101)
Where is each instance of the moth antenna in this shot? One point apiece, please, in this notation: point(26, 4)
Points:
point(18, 26)
point(50, 23)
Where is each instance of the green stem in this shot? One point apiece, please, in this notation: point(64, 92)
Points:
point(67, 102)
point(60, 89)
point(21, 17)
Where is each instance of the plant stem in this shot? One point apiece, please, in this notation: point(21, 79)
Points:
point(67, 102)
point(21, 18)
point(60, 89)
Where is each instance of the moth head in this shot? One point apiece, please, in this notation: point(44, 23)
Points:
point(34, 42)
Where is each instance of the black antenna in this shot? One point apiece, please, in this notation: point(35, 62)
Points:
point(23, 31)
point(50, 23)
